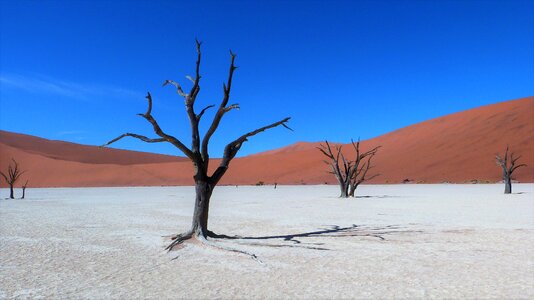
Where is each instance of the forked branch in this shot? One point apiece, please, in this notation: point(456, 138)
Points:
point(164, 137)
point(203, 111)
point(222, 109)
point(233, 147)
point(13, 173)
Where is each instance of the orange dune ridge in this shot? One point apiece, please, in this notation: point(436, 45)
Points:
point(456, 148)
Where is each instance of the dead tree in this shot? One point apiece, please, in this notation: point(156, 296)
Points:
point(349, 173)
point(508, 165)
point(341, 167)
point(199, 151)
point(361, 167)
point(13, 174)
point(24, 189)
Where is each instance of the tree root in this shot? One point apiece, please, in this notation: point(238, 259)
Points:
point(180, 238)
point(207, 242)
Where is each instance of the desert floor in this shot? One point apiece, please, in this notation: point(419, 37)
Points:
point(394, 241)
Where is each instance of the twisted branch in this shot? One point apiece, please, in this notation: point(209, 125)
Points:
point(233, 147)
point(222, 109)
point(164, 137)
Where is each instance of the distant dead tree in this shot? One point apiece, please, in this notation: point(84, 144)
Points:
point(24, 186)
point(508, 165)
point(361, 167)
point(341, 167)
point(349, 173)
point(198, 153)
point(13, 174)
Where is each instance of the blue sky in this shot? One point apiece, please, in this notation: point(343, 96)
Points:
point(79, 70)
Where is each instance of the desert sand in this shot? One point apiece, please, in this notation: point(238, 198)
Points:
point(456, 148)
point(393, 241)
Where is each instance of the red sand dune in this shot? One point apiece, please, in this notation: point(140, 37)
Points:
point(455, 148)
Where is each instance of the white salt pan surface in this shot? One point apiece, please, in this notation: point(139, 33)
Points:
point(410, 241)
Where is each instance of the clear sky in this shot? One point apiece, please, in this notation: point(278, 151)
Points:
point(79, 70)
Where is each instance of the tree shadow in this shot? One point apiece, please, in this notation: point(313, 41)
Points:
point(377, 196)
point(332, 231)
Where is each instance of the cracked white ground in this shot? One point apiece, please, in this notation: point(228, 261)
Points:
point(394, 241)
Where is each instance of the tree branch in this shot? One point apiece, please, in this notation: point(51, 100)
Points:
point(196, 88)
point(500, 161)
point(204, 110)
point(190, 102)
point(375, 175)
point(221, 111)
point(169, 138)
point(230, 107)
point(326, 148)
point(13, 173)
point(334, 158)
point(515, 167)
point(4, 175)
point(179, 89)
point(137, 136)
point(506, 155)
point(232, 148)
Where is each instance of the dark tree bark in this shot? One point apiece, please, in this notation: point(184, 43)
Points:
point(24, 189)
point(349, 173)
point(508, 165)
point(341, 167)
point(361, 167)
point(199, 151)
point(13, 174)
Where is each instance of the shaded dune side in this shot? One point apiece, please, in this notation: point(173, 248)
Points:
point(81, 153)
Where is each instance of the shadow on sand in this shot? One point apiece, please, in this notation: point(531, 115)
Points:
point(377, 196)
point(332, 231)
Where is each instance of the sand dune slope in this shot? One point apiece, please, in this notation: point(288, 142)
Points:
point(454, 148)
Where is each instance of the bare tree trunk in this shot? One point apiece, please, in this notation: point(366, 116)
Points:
point(11, 194)
point(344, 190)
point(24, 189)
point(202, 205)
point(507, 185)
point(353, 188)
point(343, 184)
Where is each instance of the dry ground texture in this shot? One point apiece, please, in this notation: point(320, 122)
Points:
point(394, 241)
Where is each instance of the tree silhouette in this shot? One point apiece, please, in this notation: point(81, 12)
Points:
point(13, 174)
point(24, 186)
point(349, 173)
point(508, 165)
point(198, 153)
